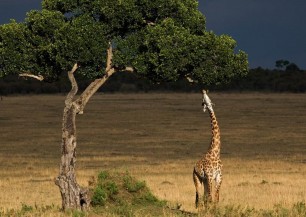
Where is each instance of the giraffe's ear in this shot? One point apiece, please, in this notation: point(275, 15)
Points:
point(207, 91)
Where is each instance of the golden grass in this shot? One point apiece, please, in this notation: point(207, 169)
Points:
point(158, 138)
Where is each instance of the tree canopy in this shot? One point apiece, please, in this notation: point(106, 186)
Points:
point(162, 40)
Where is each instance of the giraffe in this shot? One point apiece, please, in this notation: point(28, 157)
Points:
point(208, 168)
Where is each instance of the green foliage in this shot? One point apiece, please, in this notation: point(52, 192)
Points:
point(99, 197)
point(103, 175)
point(104, 190)
point(162, 40)
point(13, 48)
point(131, 184)
point(169, 51)
point(122, 194)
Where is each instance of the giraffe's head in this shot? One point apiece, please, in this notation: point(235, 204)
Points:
point(206, 102)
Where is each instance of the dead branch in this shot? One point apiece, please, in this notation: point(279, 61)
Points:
point(92, 89)
point(129, 69)
point(149, 23)
point(109, 57)
point(190, 80)
point(30, 75)
point(74, 85)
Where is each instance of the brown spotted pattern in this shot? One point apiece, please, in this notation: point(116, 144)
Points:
point(208, 169)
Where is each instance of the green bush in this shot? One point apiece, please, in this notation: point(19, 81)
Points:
point(123, 195)
point(103, 175)
point(133, 185)
point(104, 190)
point(99, 197)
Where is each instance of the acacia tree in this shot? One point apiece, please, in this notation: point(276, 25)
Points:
point(161, 40)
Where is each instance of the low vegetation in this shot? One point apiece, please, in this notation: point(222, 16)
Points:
point(121, 194)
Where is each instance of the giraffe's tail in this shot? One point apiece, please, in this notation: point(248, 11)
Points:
point(197, 200)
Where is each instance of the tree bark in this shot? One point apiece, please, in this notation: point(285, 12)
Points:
point(73, 196)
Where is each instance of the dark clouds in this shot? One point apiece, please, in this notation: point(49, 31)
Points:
point(16, 9)
point(267, 30)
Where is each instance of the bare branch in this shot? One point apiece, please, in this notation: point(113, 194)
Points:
point(81, 102)
point(149, 23)
point(129, 69)
point(38, 77)
point(74, 85)
point(109, 57)
point(190, 79)
point(93, 87)
point(74, 68)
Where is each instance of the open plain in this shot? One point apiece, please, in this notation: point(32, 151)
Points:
point(158, 137)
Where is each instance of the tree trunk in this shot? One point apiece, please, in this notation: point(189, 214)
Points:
point(73, 196)
point(69, 188)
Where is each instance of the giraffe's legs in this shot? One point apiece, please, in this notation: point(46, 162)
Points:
point(197, 184)
point(218, 185)
point(207, 191)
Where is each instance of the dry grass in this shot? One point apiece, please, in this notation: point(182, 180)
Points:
point(158, 138)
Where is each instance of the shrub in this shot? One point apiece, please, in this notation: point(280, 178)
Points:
point(123, 195)
point(131, 184)
point(103, 175)
point(99, 197)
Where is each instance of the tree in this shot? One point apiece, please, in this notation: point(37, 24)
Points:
point(292, 67)
point(161, 40)
point(280, 64)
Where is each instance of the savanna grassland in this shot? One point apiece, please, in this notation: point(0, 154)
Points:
point(158, 138)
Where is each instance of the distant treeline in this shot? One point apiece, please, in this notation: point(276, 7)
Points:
point(258, 79)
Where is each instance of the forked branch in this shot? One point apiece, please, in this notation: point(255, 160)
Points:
point(96, 84)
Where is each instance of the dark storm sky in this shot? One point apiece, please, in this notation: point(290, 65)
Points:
point(267, 30)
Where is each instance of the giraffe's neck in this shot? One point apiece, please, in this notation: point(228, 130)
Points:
point(215, 139)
